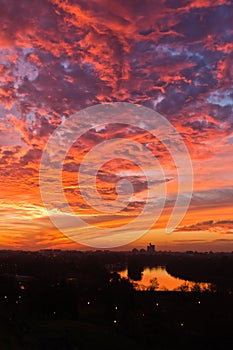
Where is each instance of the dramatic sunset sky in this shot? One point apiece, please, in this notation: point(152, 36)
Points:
point(58, 57)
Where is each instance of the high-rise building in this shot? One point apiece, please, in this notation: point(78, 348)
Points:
point(150, 248)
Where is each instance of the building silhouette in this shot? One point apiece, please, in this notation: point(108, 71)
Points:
point(150, 248)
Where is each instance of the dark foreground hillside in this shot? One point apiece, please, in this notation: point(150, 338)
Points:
point(72, 300)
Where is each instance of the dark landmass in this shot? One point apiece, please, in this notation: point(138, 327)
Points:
point(65, 300)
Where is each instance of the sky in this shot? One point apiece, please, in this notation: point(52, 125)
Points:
point(173, 57)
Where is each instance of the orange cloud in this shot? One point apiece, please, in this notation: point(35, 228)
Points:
point(58, 57)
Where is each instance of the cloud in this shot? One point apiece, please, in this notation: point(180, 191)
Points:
point(221, 226)
point(58, 57)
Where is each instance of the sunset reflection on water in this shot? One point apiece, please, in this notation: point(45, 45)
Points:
point(166, 282)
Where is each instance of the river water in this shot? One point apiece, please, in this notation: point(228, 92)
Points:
point(158, 278)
